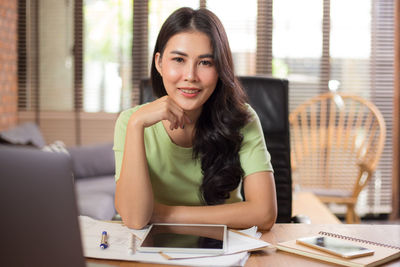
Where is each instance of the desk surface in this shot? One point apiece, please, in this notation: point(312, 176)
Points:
point(389, 234)
point(306, 203)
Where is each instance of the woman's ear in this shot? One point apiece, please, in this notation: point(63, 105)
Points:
point(157, 62)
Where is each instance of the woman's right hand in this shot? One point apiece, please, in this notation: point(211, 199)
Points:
point(134, 198)
point(163, 108)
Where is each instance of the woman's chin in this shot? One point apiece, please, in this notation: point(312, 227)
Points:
point(189, 107)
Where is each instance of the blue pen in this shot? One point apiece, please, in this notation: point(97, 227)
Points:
point(104, 243)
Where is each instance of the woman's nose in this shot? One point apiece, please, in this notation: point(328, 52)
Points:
point(190, 74)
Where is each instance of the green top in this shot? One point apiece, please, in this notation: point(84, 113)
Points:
point(175, 176)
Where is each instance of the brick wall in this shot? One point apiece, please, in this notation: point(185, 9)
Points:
point(8, 64)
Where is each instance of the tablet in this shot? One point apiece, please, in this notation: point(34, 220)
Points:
point(185, 238)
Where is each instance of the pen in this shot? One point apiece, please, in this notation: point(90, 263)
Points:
point(104, 243)
point(132, 244)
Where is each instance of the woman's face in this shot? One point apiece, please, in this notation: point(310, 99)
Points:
point(188, 70)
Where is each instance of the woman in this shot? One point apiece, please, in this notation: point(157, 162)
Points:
point(182, 158)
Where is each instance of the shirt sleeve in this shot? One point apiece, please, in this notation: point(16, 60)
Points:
point(254, 156)
point(119, 138)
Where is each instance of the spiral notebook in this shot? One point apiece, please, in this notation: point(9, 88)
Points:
point(383, 252)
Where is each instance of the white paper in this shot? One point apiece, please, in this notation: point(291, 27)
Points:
point(119, 242)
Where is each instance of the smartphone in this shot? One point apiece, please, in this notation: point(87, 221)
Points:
point(335, 246)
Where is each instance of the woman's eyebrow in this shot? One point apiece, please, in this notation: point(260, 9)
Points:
point(186, 55)
point(179, 53)
point(206, 56)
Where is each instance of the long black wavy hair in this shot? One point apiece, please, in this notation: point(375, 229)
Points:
point(217, 138)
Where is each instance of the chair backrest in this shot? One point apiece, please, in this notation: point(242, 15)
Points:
point(269, 98)
point(337, 140)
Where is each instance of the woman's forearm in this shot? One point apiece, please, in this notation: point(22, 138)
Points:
point(134, 195)
point(236, 215)
point(259, 209)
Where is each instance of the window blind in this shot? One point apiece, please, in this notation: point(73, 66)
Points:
point(78, 67)
point(53, 70)
point(45, 72)
point(382, 92)
point(396, 113)
point(364, 66)
point(55, 38)
point(297, 47)
point(343, 44)
point(28, 51)
point(240, 22)
point(140, 61)
point(264, 37)
point(107, 53)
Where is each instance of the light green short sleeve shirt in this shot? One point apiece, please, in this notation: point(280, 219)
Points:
point(175, 176)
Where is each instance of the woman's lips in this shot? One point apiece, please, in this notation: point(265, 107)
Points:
point(189, 92)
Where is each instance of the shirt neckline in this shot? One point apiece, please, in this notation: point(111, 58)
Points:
point(166, 138)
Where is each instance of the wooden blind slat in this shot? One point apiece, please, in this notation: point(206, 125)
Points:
point(264, 37)
point(139, 46)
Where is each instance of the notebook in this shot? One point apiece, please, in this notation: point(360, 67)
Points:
point(39, 217)
point(382, 252)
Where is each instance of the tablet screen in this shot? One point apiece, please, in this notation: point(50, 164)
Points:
point(194, 238)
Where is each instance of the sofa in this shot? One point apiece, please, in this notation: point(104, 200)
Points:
point(93, 168)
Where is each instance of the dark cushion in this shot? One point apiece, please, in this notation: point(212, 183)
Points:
point(102, 184)
point(99, 206)
point(24, 134)
point(92, 161)
point(270, 99)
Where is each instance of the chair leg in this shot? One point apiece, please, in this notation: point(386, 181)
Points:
point(351, 215)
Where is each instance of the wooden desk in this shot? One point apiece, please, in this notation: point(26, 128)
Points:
point(306, 203)
point(389, 234)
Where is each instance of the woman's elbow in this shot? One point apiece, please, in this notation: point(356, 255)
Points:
point(131, 220)
point(268, 219)
point(134, 224)
point(267, 225)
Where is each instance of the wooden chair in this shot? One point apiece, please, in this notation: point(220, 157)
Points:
point(336, 142)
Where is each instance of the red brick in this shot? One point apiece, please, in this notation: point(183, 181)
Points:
point(8, 61)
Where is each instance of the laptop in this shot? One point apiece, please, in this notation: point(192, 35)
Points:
point(39, 217)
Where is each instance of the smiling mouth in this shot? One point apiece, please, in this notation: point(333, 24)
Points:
point(189, 91)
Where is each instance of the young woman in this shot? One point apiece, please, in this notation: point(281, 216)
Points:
point(184, 157)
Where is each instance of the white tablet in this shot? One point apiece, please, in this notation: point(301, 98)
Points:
point(185, 238)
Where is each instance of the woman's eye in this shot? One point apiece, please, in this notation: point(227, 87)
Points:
point(178, 59)
point(206, 63)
